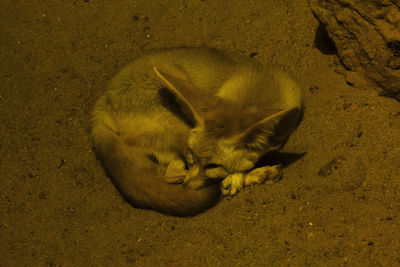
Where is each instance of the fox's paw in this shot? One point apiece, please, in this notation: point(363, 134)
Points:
point(232, 184)
point(263, 174)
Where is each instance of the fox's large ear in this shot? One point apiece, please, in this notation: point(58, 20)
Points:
point(185, 94)
point(271, 131)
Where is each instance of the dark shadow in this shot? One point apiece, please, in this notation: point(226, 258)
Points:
point(323, 42)
point(168, 100)
point(276, 157)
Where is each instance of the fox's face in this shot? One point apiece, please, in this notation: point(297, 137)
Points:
point(219, 157)
point(219, 151)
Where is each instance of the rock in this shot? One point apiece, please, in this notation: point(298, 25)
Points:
point(366, 34)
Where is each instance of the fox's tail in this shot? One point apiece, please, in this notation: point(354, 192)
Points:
point(141, 181)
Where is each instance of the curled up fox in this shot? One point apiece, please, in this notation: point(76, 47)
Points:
point(179, 126)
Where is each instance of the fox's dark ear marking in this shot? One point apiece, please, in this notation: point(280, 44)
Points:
point(271, 131)
point(169, 101)
point(183, 92)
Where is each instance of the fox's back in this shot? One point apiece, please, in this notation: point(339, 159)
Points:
point(135, 91)
point(243, 80)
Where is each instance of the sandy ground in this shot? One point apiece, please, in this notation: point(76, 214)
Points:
point(338, 205)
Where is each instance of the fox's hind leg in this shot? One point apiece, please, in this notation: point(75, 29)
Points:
point(176, 172)
point(263, 174)
point(175, 166)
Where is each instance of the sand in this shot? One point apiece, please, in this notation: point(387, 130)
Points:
point(337, 205)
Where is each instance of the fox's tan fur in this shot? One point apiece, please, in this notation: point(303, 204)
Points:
point(187, 115)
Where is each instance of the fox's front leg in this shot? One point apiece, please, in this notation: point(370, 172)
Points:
point(263, 174)
point(234, 183)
